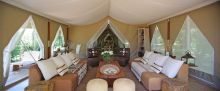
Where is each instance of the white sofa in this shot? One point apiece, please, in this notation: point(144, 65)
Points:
point(152, 68)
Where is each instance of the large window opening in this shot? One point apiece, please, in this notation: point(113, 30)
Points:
point(157, 43)
point(191, 39)
point(24, 48)
point(58, 42)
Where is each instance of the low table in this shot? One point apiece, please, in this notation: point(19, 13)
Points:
point(110, 78)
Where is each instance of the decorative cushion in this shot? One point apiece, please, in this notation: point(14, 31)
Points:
point(76, 61)
point(48, 68)
point(62, 70)
point(138, 59)
point(156, 68)
point(72, 55)
point(143, 61)
point(147, 54)
point(160, 60)
point(151, 59)
point(171, 67)
point(67, 59)
point(58, 61)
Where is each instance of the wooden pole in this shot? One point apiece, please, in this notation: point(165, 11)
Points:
point(48, 40)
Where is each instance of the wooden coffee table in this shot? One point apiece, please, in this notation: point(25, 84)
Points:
point(110, 78)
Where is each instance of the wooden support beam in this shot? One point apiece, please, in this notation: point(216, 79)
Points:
point(48, 40)
point(67, 33)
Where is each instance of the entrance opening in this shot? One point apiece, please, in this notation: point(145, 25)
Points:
point(24, 48)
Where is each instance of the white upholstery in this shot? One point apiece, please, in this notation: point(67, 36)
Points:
point(123, 84)
point(97, 85)
point(138, 68)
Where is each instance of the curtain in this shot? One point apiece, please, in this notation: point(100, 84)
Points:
point(147, 39)
point(12, 44)
point(114, 30)
point(191, 39)
point(59, 33)
point(157, 43)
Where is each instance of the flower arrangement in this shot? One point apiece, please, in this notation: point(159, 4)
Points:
point(106, 55)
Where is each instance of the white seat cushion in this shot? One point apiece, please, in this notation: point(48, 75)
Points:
point(138, 68)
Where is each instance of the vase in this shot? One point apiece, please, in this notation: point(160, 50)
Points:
point(106, 59)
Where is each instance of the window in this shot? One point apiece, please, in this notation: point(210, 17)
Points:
point(191, 39)
point(58, 42)
point(157, 43)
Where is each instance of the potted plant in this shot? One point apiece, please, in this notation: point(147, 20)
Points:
point(106, 55)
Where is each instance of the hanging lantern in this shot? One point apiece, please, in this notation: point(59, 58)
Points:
point(188, 59)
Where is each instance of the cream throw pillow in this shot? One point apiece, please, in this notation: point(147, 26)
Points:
point(171, 67)
point(47, 68)
point(58, 61)
point(67, 60)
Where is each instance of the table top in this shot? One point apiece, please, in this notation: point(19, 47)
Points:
point(118, 75)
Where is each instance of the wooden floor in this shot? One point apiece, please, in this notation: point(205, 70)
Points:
point(194, 85)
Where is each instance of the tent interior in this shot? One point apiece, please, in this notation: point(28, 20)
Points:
point(114, 40)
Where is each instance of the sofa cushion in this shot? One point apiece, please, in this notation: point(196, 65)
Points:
point(140, 67)
point(147, 54)
point(156, 68)
point(160, 60)
point(72, 55)
point(58, 61)
point(67, 59)
point(48, 68)
point(171, 67)
point(152, 58)
point(62, 70)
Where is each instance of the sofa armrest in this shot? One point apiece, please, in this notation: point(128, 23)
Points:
point(67, 82)
point(182, 75)
point(35, 75)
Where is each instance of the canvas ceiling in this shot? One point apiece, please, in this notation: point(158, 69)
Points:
point(83, 12)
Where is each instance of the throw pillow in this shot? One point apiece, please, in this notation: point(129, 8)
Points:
point(67, 59)
point(156, 68)
point(147, 54)
point(143, 61)
point(62, 70)
point(76, 61)
point(72, 55)
point(138, 59)
point(58, 61)
point(160, 59)
point(47, 68)
point(171, 67)
point(151, 58)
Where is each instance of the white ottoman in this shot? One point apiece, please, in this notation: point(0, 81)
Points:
point(97, 85)
point(123, 84)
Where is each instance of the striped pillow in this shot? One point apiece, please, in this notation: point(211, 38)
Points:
point(62, 70)
point(76, 61)
point(156, 68)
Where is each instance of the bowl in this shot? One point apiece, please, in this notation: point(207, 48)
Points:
point(109, 69)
